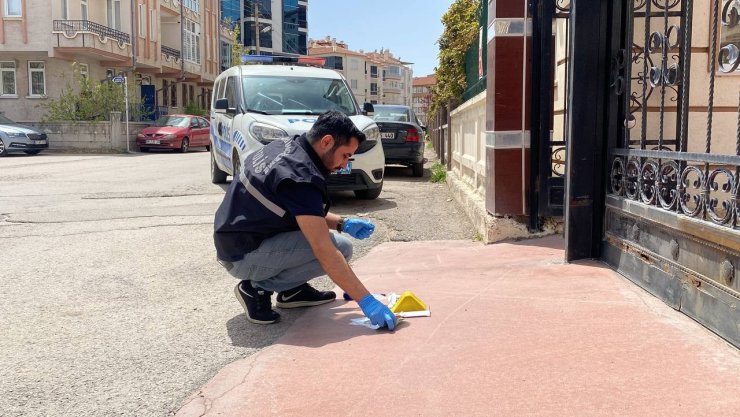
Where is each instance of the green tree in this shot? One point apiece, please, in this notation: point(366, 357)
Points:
point(460, 30)
point(237, 49)
point(83, 99)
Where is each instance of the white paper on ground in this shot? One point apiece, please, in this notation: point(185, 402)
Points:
point(364, 321)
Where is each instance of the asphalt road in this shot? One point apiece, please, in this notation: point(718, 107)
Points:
point(111, 302)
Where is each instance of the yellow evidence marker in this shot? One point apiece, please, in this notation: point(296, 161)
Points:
point(409, 305)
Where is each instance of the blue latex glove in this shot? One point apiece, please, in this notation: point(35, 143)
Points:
point(358, 228)
point(378, 313)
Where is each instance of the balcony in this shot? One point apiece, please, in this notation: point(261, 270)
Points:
point(171, 7)
point(171, 60)
point(90, 38)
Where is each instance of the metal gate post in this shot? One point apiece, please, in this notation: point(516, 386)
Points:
point(587, 136)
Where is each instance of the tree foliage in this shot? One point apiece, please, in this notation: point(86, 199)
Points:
point(83, 99)
point(460, 30)
point(237, 48)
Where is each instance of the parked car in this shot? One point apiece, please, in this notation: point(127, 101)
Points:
point(402, 136)
point(15, 137)
point(175, 131)
point(255, 104)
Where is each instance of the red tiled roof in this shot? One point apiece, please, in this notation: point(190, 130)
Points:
point(428, 80)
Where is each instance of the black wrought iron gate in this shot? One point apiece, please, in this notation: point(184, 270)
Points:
point(665, 136)
point(549, 106)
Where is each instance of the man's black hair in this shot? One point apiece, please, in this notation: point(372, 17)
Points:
point(338, 125)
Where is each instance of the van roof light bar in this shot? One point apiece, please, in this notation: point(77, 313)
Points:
point(293, 60)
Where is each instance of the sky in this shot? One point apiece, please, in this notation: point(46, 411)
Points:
point(408, 28)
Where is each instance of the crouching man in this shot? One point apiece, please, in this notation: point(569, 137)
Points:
point(273, 230)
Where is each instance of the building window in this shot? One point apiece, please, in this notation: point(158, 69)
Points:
point(334, 62)
point(353, 84)
point(225, 56)
point(7, 79)
point(354, 64)
point(36, 78)
point(373, 71)
point(142, 20)
point(114, 14)
point(173, 94)
point(83, 9)
point(184, 95)
point(193, 5)
point(153, 24)
point(294, 41)
point(191, 42)
point(394, 71)
point(65, 10)
point(264, 8)
point(13, 8)
point(84, 71)
point(373, 88)
point(165, 93)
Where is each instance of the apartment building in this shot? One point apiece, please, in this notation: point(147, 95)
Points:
point(376, 77)
point(170, 49)
point(421, 96)
point(270, 27)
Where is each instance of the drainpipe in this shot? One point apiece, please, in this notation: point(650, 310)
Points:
point(134, 35)
point(182, 42)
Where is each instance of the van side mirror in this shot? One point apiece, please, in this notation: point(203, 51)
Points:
point(222, 106)
point(368, 108)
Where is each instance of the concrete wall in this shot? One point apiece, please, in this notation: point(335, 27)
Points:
point(469, 142)
point(96, 137)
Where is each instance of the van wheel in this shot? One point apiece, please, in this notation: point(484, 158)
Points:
point(217, 176)
point(3, 150)
point(184, 145)
point(369, 194)
point(208, 148)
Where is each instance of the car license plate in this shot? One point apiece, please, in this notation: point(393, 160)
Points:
point(152, 142)
point(39, 142)
point(346, 170)
point(387, 135)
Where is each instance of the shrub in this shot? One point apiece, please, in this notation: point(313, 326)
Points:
point(439, 173)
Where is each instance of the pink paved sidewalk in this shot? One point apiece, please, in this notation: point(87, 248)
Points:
point(513, 332)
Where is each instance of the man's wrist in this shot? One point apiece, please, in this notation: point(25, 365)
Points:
point(340, 225)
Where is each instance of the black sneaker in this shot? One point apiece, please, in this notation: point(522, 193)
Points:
point(304, 296)
point(257, 303)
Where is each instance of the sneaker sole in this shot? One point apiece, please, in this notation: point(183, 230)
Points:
point(246, 311)
point(296, 304)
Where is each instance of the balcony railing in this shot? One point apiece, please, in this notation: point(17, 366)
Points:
point(171, 52)
point(72, 27)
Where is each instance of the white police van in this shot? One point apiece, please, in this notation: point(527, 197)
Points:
point(255, 104)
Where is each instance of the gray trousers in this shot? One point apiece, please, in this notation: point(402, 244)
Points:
point(284, 261)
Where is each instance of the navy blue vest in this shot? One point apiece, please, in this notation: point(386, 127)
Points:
point(251, 211)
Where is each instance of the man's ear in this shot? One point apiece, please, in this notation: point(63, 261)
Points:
point(326, 142)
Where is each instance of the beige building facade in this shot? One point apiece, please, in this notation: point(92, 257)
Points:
point(421, 96)
point(170, 49)
point(375, 77)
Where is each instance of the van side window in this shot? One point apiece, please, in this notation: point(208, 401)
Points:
point(231, 92)
point(216, 95)
point(221, 88)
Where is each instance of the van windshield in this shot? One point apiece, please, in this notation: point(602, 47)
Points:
point(297, 95)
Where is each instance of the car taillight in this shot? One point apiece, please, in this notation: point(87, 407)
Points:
point(412, 135)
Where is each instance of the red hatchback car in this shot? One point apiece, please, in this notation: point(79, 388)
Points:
point(175, 131)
